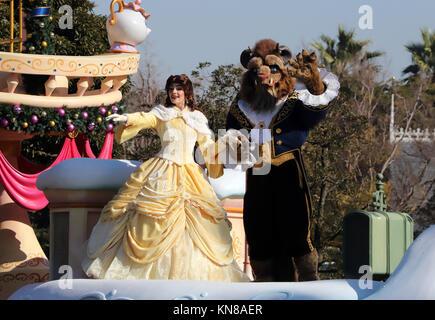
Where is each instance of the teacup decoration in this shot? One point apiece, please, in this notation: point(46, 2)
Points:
point(126, 28)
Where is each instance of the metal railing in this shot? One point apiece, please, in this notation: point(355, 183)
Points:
point(12, 39)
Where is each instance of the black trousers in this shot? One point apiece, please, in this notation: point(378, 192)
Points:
point(277, 209)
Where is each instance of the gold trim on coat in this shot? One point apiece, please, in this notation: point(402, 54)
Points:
point(317, 108)
point(286, 109)
point(282, 158)
point(243, 120)
point(309, 202)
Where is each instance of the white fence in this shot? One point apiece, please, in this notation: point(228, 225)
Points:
point(413, 135)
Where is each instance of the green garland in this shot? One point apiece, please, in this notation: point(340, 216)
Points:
point(39, 27)
point(40, 40)
point(50, 120)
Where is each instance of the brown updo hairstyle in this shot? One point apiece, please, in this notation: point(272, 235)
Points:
point(187, 86)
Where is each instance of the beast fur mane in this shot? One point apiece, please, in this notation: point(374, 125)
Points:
point(256, 94)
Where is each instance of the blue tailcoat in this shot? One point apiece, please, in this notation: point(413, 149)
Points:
point(277, 206)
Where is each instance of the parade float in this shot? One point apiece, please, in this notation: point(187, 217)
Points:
point(75, 210)
point(57, 110)
point(78, 185)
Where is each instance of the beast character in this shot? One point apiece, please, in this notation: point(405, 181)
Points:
point(282, 99)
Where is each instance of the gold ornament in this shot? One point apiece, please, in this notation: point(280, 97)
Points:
point(68, 121)
point(52, 34)
point(29, 36)
point(99, 120)
point(44, 114)
point(52, 123)
point(109, 113)
point(73, 134)
point(42, 25)
point(25, 125)
point(76, 116)
point(51, 18)
point(13, 120)
point(44, 44)
point(32, 48)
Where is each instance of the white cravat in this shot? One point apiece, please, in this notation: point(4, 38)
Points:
point(261, 133)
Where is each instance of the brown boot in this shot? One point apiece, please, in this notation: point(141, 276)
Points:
point(262, 270)
point(285, 269)
point(307, 266)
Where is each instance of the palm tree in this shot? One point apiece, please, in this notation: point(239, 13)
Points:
point(423, 55)
point(338, 54)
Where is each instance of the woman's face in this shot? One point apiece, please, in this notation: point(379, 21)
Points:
point(176, 94)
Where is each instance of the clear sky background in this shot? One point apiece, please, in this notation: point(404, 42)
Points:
point(186, 32)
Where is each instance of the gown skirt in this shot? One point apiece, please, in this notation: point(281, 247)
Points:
point(166, 222)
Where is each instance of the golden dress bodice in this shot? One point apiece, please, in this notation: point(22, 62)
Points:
point(177, 139)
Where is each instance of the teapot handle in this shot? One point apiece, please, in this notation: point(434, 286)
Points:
point(120, 9)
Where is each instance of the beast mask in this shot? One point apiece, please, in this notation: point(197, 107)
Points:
point(267, 79)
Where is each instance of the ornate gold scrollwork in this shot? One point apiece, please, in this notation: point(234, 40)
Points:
point(73, 134)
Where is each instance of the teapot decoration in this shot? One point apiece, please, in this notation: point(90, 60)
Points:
point(126, 28)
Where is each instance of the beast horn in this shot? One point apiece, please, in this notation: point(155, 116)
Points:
point(245, 57)
point(285, 53)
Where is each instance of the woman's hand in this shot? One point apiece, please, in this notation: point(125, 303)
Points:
point(117, 118)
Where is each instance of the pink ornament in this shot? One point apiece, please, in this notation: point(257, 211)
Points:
point(85, 115)
point(91, 126)
point(17, 109)
point(102, 111)
point(109, 127)
point(115, 109)
point(34, 119)
point(4, 123)
point(61, 112)
point(70, 128)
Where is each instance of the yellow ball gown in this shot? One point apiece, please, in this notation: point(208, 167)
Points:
point(166, 222)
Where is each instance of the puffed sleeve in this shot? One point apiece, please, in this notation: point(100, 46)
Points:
point(319, 102)
point(136, 122)
point(210, 152)
point(312, 108)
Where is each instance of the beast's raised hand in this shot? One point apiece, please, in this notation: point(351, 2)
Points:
point(305, 69)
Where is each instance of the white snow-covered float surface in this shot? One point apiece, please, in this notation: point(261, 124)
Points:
point(87, 173)
point(94, 174)
point(414, 278)
point(231, 184)
point(193, 290)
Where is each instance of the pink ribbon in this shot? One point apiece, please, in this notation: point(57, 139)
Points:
point(21, 187)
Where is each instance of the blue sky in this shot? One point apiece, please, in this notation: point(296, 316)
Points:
point(187, 32)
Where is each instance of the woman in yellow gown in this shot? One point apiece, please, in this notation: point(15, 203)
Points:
point(166, 221)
